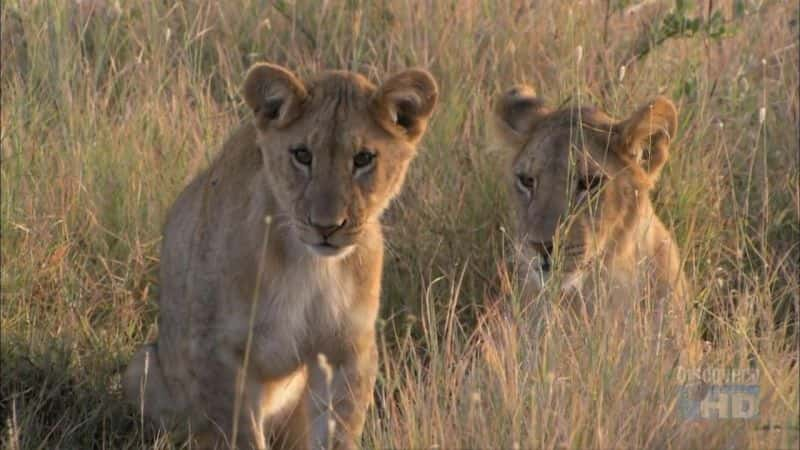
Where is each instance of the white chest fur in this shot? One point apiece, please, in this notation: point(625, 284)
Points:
point(300, 307)
point(309, 297)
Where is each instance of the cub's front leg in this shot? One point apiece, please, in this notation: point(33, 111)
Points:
point(340, 391)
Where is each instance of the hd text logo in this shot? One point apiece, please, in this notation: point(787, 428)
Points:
point(718, 393)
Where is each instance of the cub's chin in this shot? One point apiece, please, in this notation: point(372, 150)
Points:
point(328, 250)
point(538, 278)
point(534, 274)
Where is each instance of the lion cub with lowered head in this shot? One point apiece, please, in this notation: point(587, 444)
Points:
point(271, 265)
point(581, 185)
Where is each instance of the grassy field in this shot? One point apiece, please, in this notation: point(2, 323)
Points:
point(109, 108)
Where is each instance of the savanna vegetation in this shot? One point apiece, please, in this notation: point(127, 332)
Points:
point(110, 107)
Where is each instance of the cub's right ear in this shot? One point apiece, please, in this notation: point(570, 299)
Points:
point(404, 102)
point(516, 112)
point(274, 94)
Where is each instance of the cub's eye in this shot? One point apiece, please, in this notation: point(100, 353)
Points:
point(525, 182)
point(363, 159)
point(589, 183)
point(302, 155)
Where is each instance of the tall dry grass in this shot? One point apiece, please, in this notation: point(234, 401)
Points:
point(109, 108)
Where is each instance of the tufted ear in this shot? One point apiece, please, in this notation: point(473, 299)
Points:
point(274, 94)
point(645, 135)
point(403, 104)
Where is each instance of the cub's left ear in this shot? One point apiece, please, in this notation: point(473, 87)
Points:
point(274, 94)
point(516, 113)
point(403, 104)
point(645, 136)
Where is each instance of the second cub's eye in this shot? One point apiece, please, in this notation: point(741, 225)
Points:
point(525, 181)
point(589, 183)
point(363, 159)
point(302, 155)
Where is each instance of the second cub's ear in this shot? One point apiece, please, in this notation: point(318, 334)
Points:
point(274, 94)
point(645, 136)
point(404, 103)
point(516, 112)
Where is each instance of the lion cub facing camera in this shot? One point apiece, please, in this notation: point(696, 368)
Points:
point(581, 184)
point(271, 265)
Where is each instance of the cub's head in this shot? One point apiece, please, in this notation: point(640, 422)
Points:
point(579, 179)
point(336, 147)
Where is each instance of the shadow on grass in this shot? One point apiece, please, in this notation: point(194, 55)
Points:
point(51, 396)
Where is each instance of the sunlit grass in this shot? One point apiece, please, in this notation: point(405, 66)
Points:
point(107, 113)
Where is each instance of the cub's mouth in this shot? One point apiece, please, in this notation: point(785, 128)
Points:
point(542, 259)
point(326, 243)
point(539, 265)
point(540, 273)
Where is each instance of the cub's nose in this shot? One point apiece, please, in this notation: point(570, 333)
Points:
point(327, 230)
point(545, 250)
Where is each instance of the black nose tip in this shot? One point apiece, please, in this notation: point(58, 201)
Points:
point(327, 230)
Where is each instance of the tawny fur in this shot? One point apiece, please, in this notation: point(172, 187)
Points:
point(242, 274)
point(607, 241)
